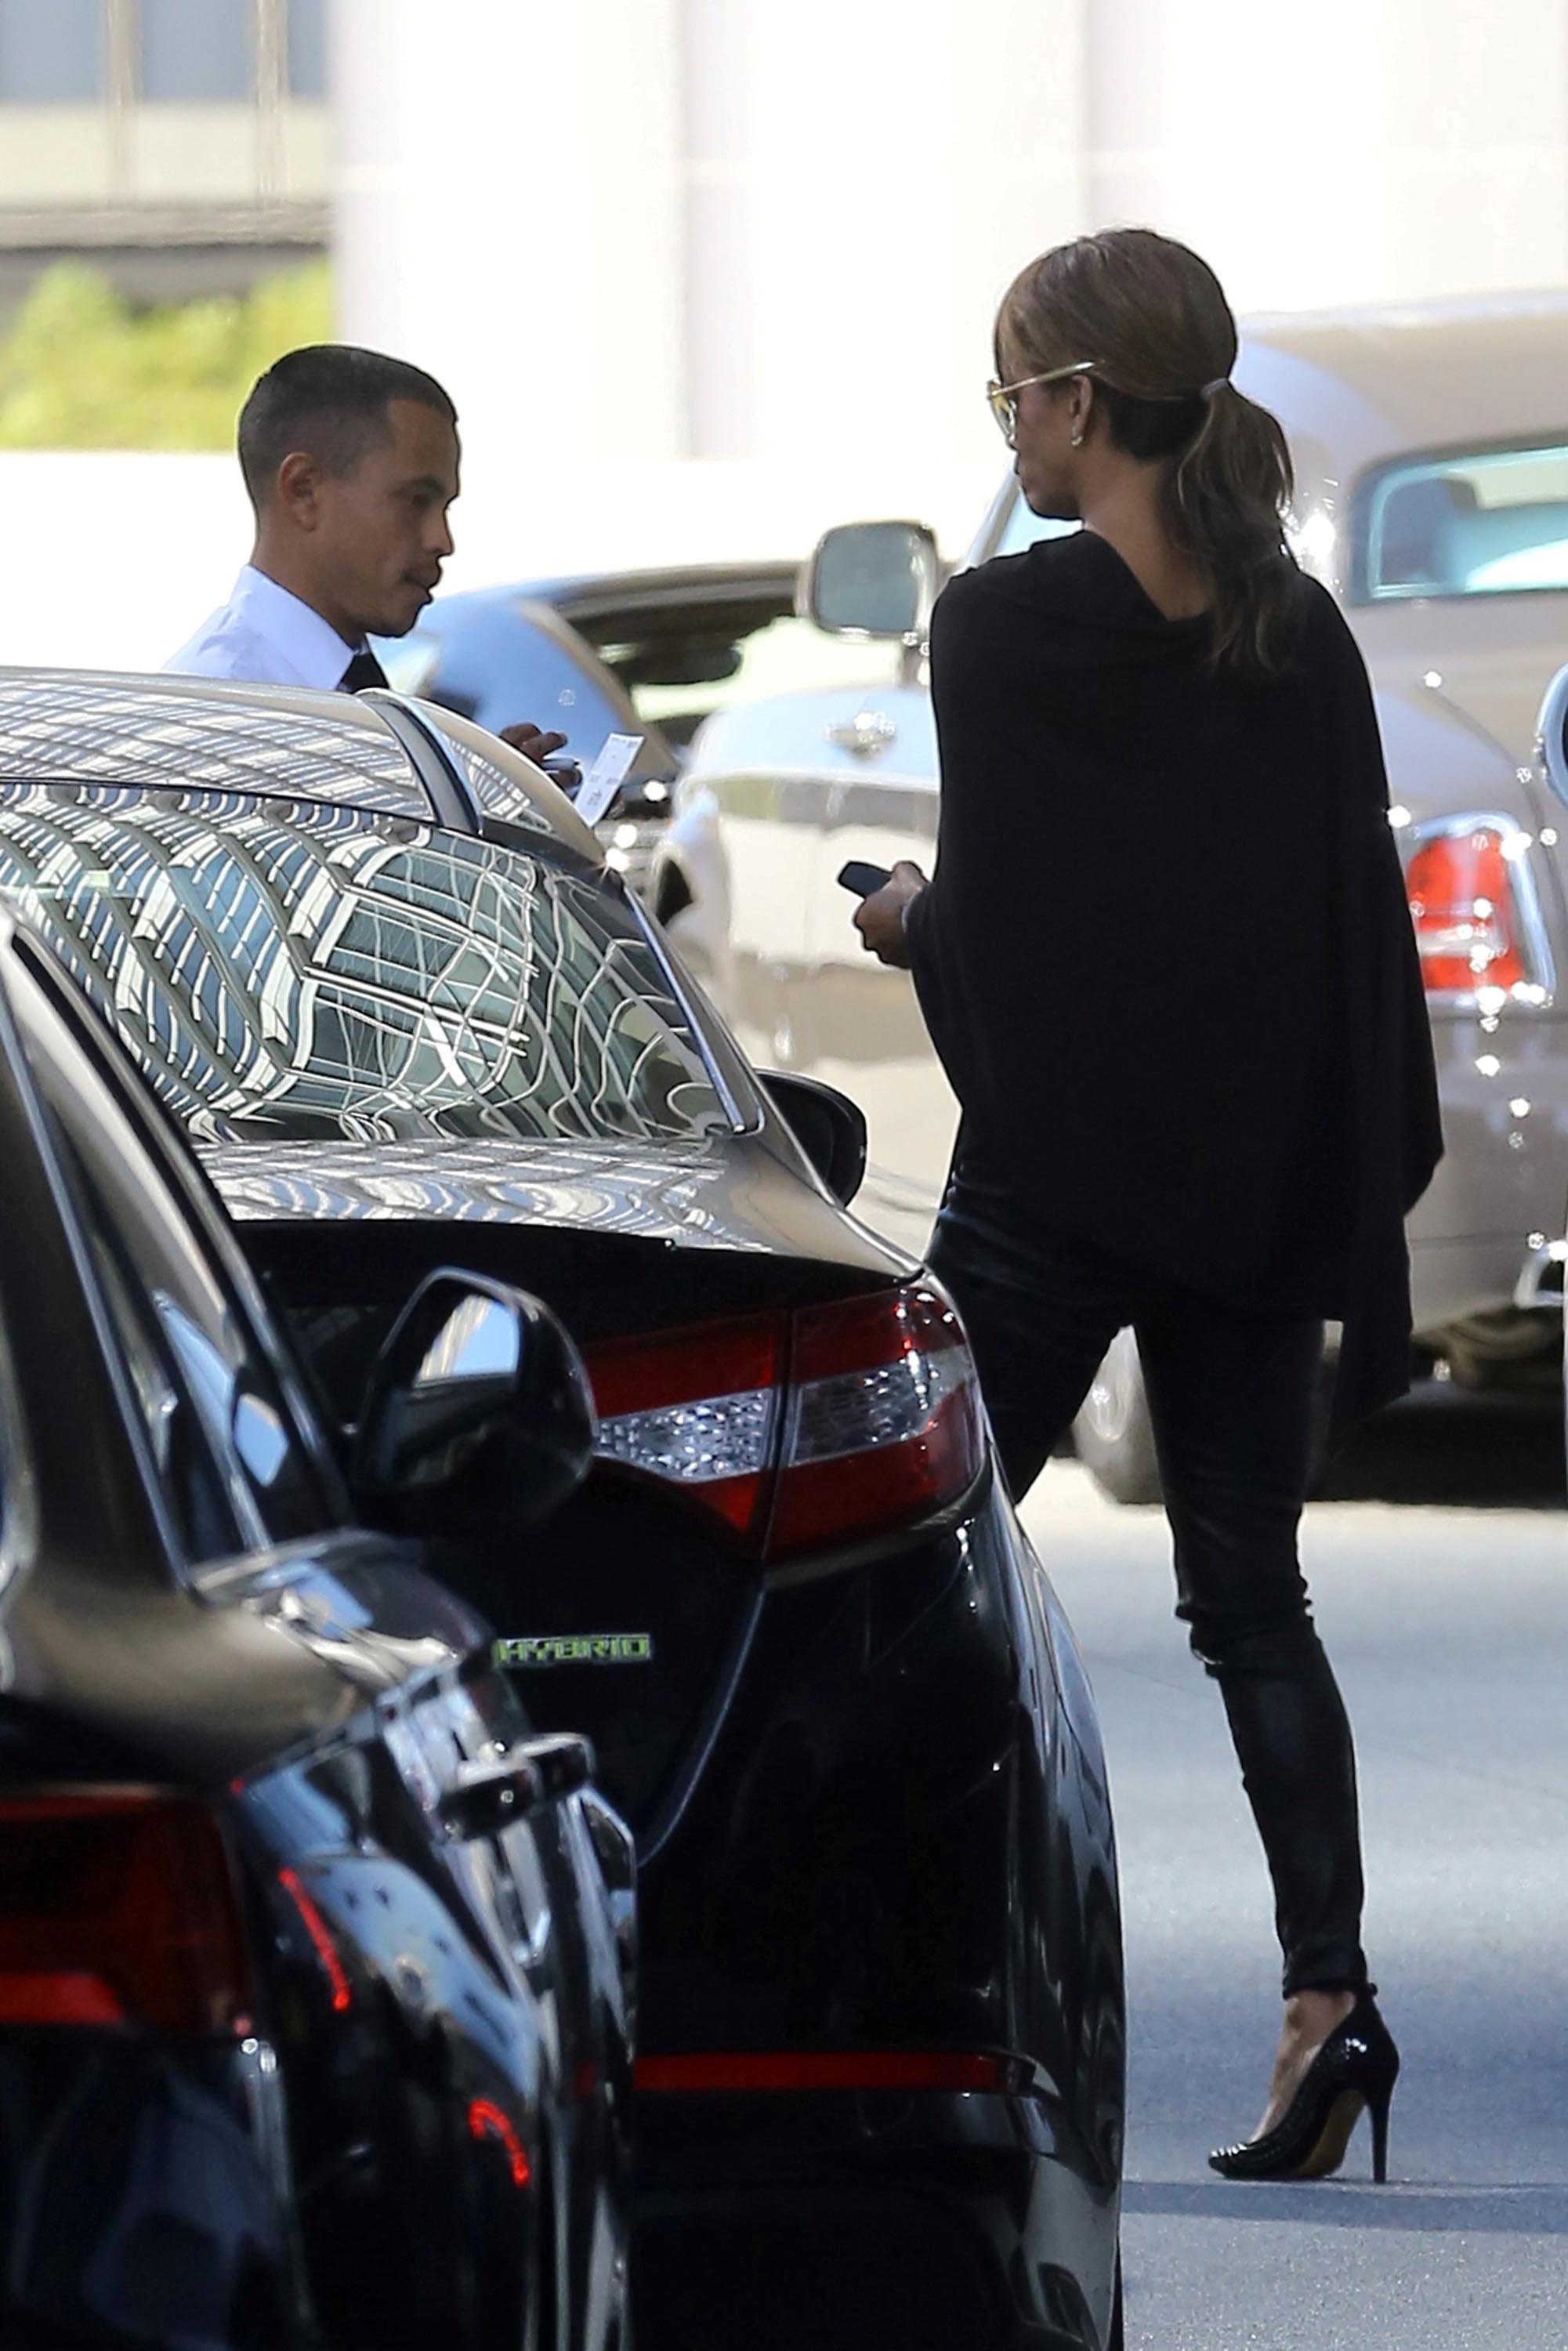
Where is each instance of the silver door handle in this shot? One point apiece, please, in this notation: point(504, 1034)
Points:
point(487, 1799)
point(868, 733)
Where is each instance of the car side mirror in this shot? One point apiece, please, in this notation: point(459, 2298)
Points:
point(478, 1410)
point(874, 579)
point(829, 1127)
point(1551, 732)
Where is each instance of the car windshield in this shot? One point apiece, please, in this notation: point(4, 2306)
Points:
point(511, 661)
point(1486, 522)
point(322, 973)
point(751, 662)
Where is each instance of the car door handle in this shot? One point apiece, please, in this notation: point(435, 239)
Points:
point(487, 1799)
point(868, 733)
point(484, 1800)
point(563, 1762)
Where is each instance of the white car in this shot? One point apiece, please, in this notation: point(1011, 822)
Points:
point(1431, 454)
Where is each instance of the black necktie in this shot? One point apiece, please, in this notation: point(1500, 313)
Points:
point(363, 670)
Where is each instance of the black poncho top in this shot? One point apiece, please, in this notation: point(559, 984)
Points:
point(1165, 956)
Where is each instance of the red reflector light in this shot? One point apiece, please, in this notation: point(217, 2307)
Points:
point(1460, 887)
point(316, 1929)
point(61, 1999)
point(794, 1433)
point(720, 2070)
point(486, 2121)
point(118, 1907)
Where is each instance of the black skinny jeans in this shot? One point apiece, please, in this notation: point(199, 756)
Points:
point(1232, 1394)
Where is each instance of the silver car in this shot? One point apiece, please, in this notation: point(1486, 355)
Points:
point(1431, 452)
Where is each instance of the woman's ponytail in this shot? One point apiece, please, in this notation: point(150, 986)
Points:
point(1162, 340)
point(1227, 494)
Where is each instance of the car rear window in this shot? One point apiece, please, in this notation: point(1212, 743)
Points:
point(677, 679)
point(1478, 522)
point(321, 973)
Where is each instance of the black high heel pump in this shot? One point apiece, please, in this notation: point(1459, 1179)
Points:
point(1357, 2066)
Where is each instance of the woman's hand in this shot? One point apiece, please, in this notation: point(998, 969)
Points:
point(878, 919)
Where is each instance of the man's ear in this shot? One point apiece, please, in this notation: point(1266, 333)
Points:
point(297, 488)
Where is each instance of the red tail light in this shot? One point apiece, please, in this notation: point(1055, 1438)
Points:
point(795, 1432)
point(699, 1409)
point(118, 1907)
point(723, 2070)
point(1463, 901)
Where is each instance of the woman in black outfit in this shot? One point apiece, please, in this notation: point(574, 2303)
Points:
point(1166, 960)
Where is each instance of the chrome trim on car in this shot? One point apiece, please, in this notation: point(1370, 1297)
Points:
point(453, 804)
point(1551, 747)
point(1539, 1287)
point(699, 1026)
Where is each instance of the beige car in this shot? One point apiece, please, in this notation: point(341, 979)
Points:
point(1431, 450)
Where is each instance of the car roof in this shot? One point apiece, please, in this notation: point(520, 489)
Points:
point(657, 584)
point(162, 731)
point(1414, 375)
point(591, 595)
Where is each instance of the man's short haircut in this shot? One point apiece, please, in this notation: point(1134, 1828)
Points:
point(330, 399)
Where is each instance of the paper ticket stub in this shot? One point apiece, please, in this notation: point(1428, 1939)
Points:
point(606, 776)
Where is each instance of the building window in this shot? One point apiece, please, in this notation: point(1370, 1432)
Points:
point(198, 50)
point(307, 49)
point(52, 52)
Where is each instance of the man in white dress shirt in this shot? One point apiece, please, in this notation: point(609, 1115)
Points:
point(350, 461)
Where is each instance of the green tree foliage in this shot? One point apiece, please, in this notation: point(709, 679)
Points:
point(80, 369)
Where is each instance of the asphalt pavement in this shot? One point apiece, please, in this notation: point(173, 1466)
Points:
point(1445, 1612)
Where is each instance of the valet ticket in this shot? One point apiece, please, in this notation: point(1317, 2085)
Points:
point(592, 796)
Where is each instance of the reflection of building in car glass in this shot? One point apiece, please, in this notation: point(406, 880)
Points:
point(329, 977)
point(75, 728)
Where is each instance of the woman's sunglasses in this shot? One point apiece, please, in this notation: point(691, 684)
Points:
point(1003, 397)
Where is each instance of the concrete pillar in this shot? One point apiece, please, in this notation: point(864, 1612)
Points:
point(507, 215)
point(1335, 151)
point(702, 273)
point(862, 177)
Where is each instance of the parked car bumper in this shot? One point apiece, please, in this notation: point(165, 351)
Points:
point(1499, 1193)
point(831, 2219)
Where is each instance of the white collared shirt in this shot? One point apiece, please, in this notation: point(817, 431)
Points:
point(265, 635)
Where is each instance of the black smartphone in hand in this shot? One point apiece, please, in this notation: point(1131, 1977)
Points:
point(862, 880)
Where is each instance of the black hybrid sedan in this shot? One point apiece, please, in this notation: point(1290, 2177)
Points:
point(315, 1962)
point(879, 2087)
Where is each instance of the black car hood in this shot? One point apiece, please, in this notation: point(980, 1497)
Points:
point(708, 1193)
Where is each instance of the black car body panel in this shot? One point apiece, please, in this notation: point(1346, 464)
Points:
point(879, 1937)
point(407, 2123)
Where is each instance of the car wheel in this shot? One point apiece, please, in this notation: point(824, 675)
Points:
point(1112, 1435)
point(1117, 2339)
